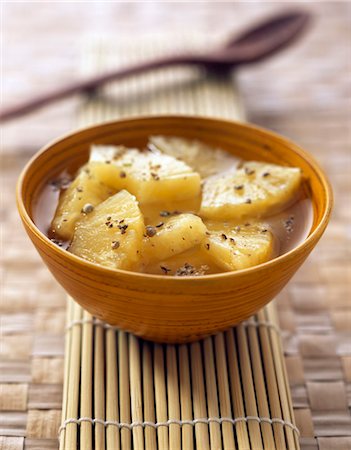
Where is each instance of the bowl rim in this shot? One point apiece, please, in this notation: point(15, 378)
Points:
point(308, 158)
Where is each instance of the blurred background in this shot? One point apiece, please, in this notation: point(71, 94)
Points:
point(43, 45)
point(302, 93)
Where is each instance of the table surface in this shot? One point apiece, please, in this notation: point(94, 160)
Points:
point(303, 94)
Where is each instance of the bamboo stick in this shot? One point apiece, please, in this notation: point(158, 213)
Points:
point(236, 391)
point(282, 376)
point(261, 395)
point(160, 396)
point(248, 387)
point(185, 397)
point(135, 391)
point(211, 394)
point(86, 385)
point(206, 91)
point(112, 406)
point(173, 397)
point(99, 387)
point(148, 398)
point(69, 318)
point(124, 389)
point(223, 391)
point(199, 397)
point(271, 383)
point(158, 97)
point(130, 100)
point(74, 379)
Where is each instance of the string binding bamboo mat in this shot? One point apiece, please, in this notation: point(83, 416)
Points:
point(226, 392)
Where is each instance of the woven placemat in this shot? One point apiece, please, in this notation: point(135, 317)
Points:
point(226, 392)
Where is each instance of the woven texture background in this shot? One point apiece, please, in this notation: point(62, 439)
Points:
point(312, 107)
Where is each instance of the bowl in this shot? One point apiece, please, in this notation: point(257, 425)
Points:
point(159, 308)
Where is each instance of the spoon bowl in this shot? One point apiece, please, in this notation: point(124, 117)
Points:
point(287, 24)
point(259, 42)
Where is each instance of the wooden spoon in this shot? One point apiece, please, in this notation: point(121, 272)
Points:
point(257, 43)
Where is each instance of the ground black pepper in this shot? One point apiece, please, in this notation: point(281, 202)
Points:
point(115, 245)
point(87, 208)
point(165, 269)
point(150, 231)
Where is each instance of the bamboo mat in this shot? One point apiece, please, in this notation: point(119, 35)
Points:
point(311, 106)
point(229, 391)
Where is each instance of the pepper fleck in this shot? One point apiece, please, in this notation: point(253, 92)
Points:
point(87, 208)
point(60, 183)
point(189, 270)
point(289, 224)
point(249, 171)
point(154, 176)
point(57, 242)
point(115, 245)
point(150, 231)
point(165, 269)
point(123, 228)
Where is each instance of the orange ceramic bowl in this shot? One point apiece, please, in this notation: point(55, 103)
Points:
point(159, 308)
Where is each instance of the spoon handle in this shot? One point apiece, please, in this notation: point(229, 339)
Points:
point(91, 84)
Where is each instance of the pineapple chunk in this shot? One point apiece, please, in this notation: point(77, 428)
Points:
point(154, 213)
point(255, 190)
point(151, 176)
point(85, 189)
point(202, 158)
point(192, 262)
point(103, 164)
point(240, 247)
point(173, 236)
point(106, 153)
point(111, 235)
